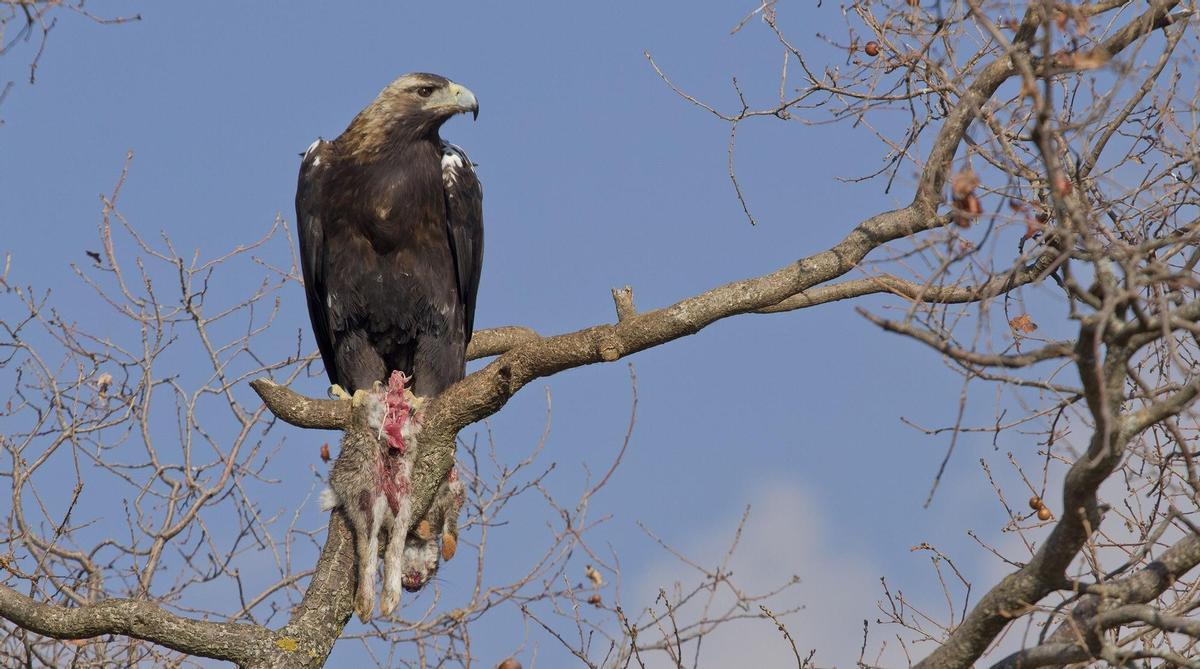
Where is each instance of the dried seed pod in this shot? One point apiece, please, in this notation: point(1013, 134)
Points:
point(968, 208)
point(1025, 325)
point(964, 183)
point(1035, 502)
point(1043, 514)
point(872, 49)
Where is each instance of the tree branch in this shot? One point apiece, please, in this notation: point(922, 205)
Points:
point(234, 642)
point(1058, 349)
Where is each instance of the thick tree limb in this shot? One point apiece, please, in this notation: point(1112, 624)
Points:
point(494, 341)
point(302, 411)
point(1068, 643)
point(234, 642)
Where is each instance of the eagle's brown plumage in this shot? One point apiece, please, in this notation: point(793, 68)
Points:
point(391, 239)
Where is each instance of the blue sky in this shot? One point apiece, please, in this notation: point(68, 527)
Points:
point(596, 175)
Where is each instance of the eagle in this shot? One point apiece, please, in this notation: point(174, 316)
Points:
point(390, 223)
point(390, 220)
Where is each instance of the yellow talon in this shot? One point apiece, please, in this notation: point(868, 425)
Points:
point(336, 392)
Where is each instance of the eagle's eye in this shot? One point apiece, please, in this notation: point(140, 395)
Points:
point(425, 91)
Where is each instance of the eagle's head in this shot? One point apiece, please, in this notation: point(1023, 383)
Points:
point(427, 96)
point(414, 105)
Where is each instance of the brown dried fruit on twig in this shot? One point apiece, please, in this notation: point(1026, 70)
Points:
point(594, 600)
point(967, 209)
point(510, 663)
point(1032, 227)
point(966, 204)
point(1023, 324)
point(1035, 502)
point(325, 452)
point(1044, 514)
point(872, 49)
point(1062, 185)
point(964, 183)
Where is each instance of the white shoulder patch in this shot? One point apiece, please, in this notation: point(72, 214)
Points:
point(453, 160)
point(312, 147)
point(450, 160)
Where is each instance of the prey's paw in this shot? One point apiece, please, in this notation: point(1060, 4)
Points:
point(363, 604)
point(449, 546)
point(389, 600)
point(417, 403)
point(424, 530)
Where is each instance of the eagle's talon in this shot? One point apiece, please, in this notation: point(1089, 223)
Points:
point(336, 392)
point(359, 396)
point(417, 406)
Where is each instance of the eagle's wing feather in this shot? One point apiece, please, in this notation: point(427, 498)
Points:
point(312, 247)
point(464, 219)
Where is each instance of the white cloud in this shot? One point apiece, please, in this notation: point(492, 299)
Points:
point(786, 535)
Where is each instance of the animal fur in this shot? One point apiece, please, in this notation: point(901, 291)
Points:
point(372, 483)
point(421, 550)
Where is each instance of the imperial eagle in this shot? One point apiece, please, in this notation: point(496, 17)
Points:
point(391, 240)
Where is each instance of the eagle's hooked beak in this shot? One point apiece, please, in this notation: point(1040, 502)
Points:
point(464, 100)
